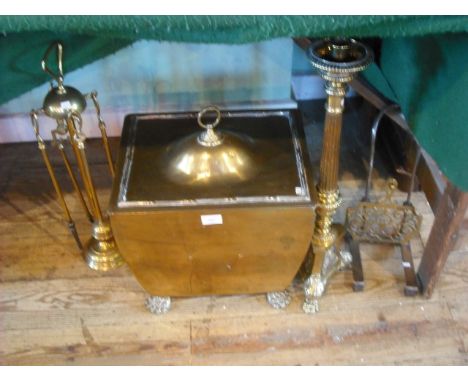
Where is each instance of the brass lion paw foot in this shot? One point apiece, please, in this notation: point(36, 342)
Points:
point(279, 300)
point(158, 305)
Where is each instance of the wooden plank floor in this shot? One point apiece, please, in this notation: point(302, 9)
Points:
point(55, 310)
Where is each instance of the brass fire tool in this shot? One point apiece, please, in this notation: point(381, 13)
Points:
point(65, 104)
point(384, 221)
point(338, 61)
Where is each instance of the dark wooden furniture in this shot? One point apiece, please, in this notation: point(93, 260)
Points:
point(444, 234)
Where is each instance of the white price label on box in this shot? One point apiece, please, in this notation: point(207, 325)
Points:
point(212, 219)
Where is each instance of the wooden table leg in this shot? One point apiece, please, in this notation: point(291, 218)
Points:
point(448, 219)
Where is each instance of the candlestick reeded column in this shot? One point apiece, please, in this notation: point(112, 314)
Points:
point(337, 61)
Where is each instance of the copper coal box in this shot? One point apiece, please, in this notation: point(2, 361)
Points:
point(216, 202)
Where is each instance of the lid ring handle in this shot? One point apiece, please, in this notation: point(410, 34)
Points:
point(209, 138)
point(205, 111)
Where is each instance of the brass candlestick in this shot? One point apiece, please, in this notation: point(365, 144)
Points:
point(65, 104)
point(337, 62)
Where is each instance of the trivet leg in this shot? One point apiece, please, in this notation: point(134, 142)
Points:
point(411, 287)
point(158, 305)
point(356, 265)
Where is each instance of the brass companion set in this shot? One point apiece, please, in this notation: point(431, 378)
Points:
point(220, 202)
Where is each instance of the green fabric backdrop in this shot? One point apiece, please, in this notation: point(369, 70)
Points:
point(424, 59)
